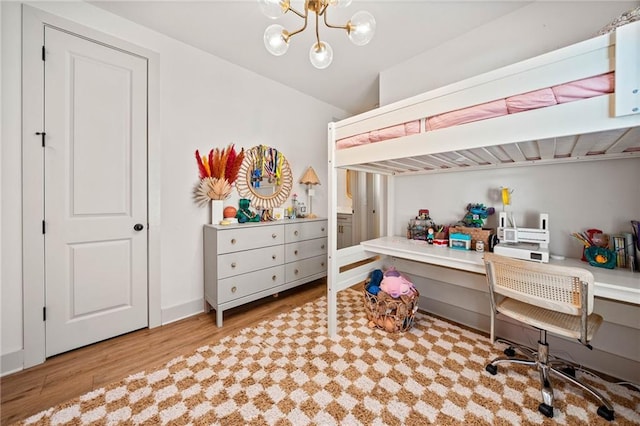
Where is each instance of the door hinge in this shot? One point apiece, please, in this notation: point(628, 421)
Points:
point(44, 54)
point(42, 135)
point(44, 227)
point(44, 313)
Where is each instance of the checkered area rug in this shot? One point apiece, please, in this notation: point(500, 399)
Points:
point(286, 371)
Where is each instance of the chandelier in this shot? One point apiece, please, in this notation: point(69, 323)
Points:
point(360, 28)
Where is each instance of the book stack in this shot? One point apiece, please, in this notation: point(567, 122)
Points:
point(624, 247)
point(618, 245)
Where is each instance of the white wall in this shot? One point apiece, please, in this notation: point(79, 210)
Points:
point(529, 31)
point(205, 102)
point(577, 196)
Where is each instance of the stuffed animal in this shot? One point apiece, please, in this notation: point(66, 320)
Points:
point(395, 284)
point(373, 284)
point(244, 213)
point(476, 214)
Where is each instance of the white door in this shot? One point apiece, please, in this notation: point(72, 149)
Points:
point(95, 191)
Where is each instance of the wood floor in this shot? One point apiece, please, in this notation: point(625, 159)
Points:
point(74, 373)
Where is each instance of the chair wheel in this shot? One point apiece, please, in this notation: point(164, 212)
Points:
point(545, 409)
point(605, 413)
point(570, 371)
point(509, 352)
point(491, 369)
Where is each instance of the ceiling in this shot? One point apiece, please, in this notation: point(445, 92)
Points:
point(233, 31)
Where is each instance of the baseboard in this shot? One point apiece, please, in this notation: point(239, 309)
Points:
point(177, 312)
point(11, 362)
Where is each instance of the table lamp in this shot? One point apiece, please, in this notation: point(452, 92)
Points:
point(310, 178)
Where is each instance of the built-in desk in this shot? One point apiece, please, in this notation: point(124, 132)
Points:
point(615, 284)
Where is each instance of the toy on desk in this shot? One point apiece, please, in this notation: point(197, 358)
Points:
point(505, 194)
point(418, 228)
point(476, 215)
point(460, 241)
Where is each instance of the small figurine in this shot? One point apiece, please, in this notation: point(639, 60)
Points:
point(430, 235)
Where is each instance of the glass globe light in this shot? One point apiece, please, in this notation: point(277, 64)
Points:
point(321, 55)
point(274, 8)
point(274, 40)
point(340, 3)
point(362, 27)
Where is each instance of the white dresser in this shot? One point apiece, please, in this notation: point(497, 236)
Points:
point(248, 261)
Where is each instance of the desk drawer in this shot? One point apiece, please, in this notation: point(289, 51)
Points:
point(305, 231)
point(306, 267)
point(246, 284)
point(305, 249)
point(241, 262)
point(237, 239)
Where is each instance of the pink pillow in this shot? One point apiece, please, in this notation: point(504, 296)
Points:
point(412, 127)
point(397, 131)
point(468, 115)
point(585, 88)
point(390, 132)
point(350, 141)
point(532, 100)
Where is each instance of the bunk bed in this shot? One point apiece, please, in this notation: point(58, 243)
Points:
point(578, 103)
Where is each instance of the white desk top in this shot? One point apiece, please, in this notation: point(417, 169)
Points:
point(616, 284)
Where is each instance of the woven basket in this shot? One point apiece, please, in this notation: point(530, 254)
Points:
point(391, 314)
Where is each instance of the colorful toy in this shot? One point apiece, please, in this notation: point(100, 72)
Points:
point(476, 214)
point(373, 284)
point(395, 284)
point(244, 213)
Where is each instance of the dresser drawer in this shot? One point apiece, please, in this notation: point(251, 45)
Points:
point(249, 260)
point(305, 249)
point(237, 239)
point(305, 231)
point(246, 284)
point(306, 267)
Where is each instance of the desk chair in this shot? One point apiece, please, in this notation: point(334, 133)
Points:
point(552, 298)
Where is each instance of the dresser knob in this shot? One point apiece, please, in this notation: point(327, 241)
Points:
point(233, 289)
point(295, 272)
point(322, 264)
point(322, 229)
point(295, 252)
point(273, 256)
point(233, 241)
point(233, 265)
point(273, 278)
point(322, 247)
point(295, 233)
point(273, 235)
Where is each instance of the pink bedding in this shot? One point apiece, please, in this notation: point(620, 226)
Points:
point(467, 115)
point(568, 92)
point(392, 132)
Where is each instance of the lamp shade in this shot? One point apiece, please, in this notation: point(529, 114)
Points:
point(310, 177)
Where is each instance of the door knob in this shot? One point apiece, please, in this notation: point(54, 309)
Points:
point(138, 227)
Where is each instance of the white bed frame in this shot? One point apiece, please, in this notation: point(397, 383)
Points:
point(603, 127)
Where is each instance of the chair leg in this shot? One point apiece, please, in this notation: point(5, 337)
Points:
point(546, 365)
point(546, 407)
point(605, 410)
